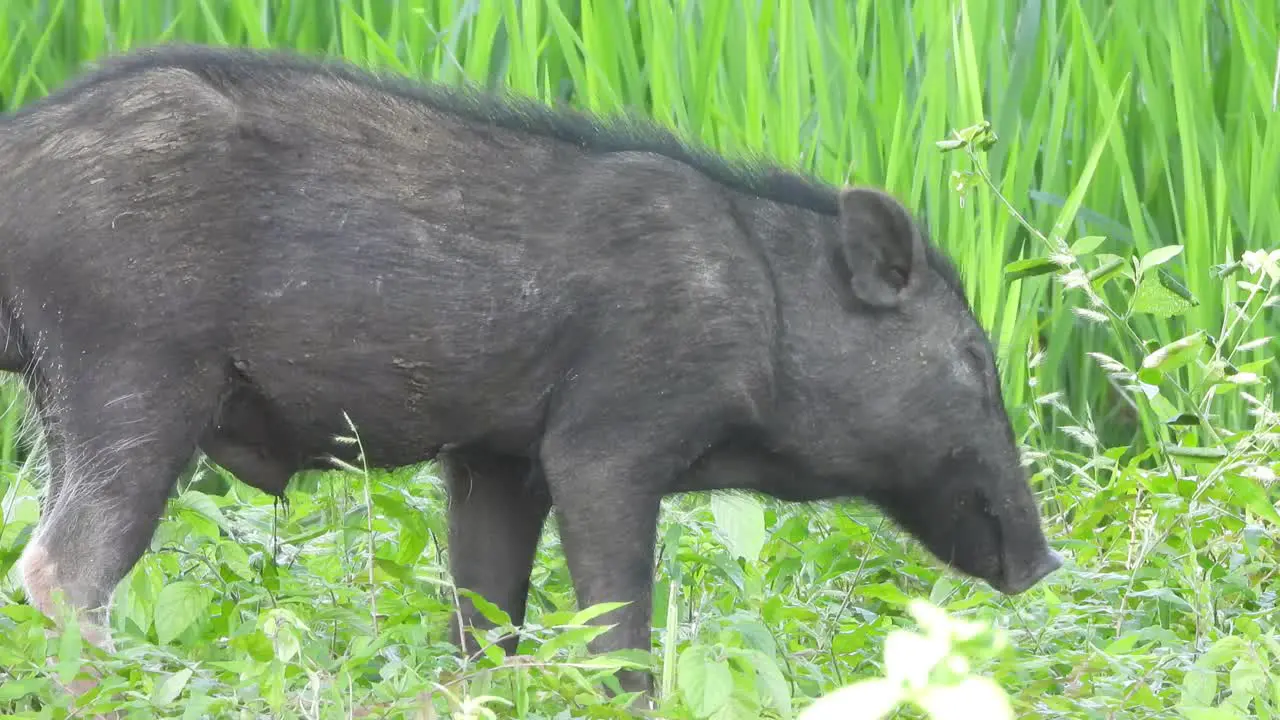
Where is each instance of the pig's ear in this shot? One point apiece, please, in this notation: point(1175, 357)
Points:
point(879, 256)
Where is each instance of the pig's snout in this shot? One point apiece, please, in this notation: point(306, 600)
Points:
point(1018, 579)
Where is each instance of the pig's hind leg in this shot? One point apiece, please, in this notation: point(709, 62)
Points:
point(125, 430)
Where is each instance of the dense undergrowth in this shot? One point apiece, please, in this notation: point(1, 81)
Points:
point(1105, 174)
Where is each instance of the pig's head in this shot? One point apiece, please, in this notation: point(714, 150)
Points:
point(895, 398)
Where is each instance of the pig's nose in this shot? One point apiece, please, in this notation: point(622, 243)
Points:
point(1048, 562)
point(1048, 565)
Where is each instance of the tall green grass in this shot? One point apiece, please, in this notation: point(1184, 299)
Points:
point(854, 92)
point(1168, 108)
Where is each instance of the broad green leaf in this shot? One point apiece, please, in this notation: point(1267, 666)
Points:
point(171, 688)
point(1164, 410)
point(1246, 492)
point(1205, 712)
point(1122, 645)
point(1154, 298)
point(888, 592)
point(1174, 355)
point(774, 689)
point(755, 635)
point(1086, 245)
point(69, 647)
point(1222, 651)
point(256, 644)
point(399, 572)
point(488, 610)
point(741, 519)
point(142, 589)
point(286, 643)
point(9, 555)
point(202, 505)
point(1159, 256)
point(704, 680)
point(1247, 680)
point(740, 705)
point(179, 605)
point(197, 704)
point(12, 689)
point(942, 588)
point(1199, 687)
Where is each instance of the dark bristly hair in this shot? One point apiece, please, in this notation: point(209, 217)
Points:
point(755, 175)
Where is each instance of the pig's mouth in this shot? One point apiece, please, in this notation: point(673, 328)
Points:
point(1016, 576)
point(974, 541)
point(1014, 583)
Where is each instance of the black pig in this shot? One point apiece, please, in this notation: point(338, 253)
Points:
point(223, 250)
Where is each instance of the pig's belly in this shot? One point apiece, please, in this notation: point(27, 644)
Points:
point(402, 416)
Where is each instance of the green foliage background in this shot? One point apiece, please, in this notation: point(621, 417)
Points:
point(1121, 129)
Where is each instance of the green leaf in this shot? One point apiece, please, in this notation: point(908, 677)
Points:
point(1122, 645)
point(704, 680)
point(1195, 454)
point(1086, 245)
point(1030, 267)
point(286, 643)
point(1247, 680)
point(1246, 492)
point(1175, 354)
point(197, 704)
point(488, 610)
point(256, 644)
point(10, 554)
point(571, 637)
point(11, 690)
point(399, 572)
point(171, 688)
point(741, 705)
point(69, 647)
point(774, 689)
point(586, 615)
point(1157, 257)
point(741, 520)
point(888, 592)
point(202, 505)
point(178, 606)
point(1164, 410)
point(1154, 298)
point(1222, 652)
point(1209, 713)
